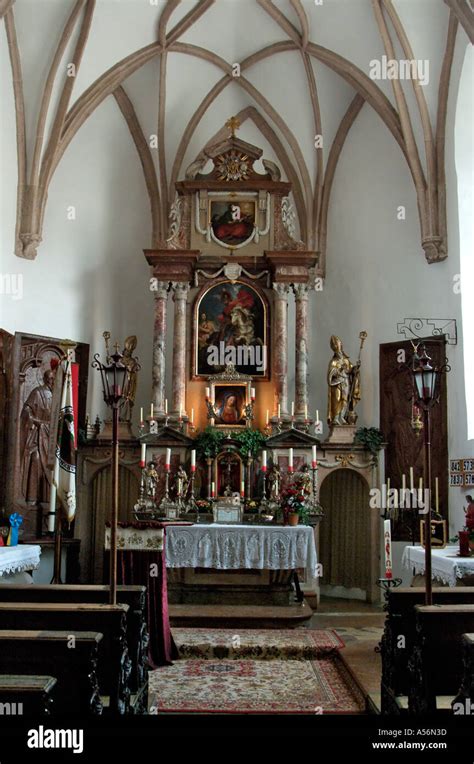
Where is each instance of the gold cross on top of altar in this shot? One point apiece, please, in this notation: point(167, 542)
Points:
point(233, 124)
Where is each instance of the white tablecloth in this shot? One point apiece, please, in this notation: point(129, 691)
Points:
point(137, 539)
point(15, 559)
point(444, 563)
point(233, 547)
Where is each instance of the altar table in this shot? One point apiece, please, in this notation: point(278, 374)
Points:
point(237, 547)
point(141, 560)
point(447, 567)
point(15, 561)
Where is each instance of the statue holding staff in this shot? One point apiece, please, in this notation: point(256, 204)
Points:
point(343, 384)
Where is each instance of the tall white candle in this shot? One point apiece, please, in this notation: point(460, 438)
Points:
point(252, 393)
point(387, 538)
point(306, 411)
point(143, 455)
point(208, 392)
point(292, 408)
point(317, 416)
point(193, 460)
point(290, 459)
point(141, 414)
point(166, 405)
point(264, 461)
point(314, 460)
point(192, 416)
point(213, 489)
point(151, 410)
point(279, 411)
point(168, 457)
point(412, 481)
point(268, 417)
point(242, 488)
point(404, 482)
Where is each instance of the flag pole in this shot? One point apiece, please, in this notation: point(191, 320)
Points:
point(58, 537)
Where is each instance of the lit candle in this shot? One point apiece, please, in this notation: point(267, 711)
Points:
point(264, 461)
point(290, 460)
point(143, 455)
point(252, 393)
point(314, 462)
point(208, 393)
point(242, 489)
point(166, 405)
point(436, 494)
point(387, 537)
point(412, 482)
point(213, 489)
point(193, 460)
point(192, 416)
point(279, 411)
point(292, 408)
point(141, 415)
point(168, 459)
point(151, 411)
point(268, 417)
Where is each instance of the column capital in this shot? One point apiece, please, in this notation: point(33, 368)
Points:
point(159, 289)
point(281, 290)
point(301, 291)
point(180, 289)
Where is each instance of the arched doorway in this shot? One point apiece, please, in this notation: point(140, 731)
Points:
point(345, 535)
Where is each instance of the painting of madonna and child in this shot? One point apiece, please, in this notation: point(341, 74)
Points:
point(231, 327)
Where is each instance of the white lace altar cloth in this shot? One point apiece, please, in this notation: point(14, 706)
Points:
point(137, 539)
point(445, 564)
point(15, 559)
point(233, 547)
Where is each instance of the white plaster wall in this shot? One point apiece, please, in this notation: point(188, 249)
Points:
point(90, 273)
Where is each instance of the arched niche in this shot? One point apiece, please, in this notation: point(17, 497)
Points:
point(348, 547)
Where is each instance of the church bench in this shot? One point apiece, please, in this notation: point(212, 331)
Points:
point(109, 620)
point(465, 696)
point(436, 664)
point(70, 656)
point(25, 695)
point(133, 596)
point(399, 636)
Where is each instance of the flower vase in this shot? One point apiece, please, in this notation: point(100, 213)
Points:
point(293, 518)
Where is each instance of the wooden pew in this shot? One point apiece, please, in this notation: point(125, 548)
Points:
point(464, 700)
point(72, 658)
point(26, 695)
point(109, 620)
point(436, 665)
point(399, 637)
point(133, 596)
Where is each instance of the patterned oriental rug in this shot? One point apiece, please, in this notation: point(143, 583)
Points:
point(261, 644)
point(255, 686)
point(253, 671)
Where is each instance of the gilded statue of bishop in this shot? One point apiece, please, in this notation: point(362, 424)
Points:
point(343, 384)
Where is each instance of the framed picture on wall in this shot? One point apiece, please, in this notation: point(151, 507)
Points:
point(229, 403)
point(231, 327)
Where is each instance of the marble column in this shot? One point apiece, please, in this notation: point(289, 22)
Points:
point(180, 296)
point(159, 347)
point(301, 349)
point(280, 347)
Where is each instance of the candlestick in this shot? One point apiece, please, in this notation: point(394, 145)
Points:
point(388, 548)
point(168, 459)
point(314, 460)
point(193, 460)
point(264, 461)
point(143, 455)
point(213, 489)
point(290, 460)
point(242, 489)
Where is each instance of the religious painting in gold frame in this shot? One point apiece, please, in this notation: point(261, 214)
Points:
point(439, 533)
point(230, 399)
point(231, 327)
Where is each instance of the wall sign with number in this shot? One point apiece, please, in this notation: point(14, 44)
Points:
point(462, 473)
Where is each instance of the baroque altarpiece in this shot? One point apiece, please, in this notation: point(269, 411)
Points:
point(228, 269)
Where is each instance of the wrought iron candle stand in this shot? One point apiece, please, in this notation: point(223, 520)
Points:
point(191, 505)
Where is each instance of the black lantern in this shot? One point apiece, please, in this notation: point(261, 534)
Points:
point(115, 379)
point(425, 379)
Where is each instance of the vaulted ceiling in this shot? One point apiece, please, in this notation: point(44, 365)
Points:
point(296, 72)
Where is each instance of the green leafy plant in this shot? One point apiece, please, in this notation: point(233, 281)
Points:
point(209, 442)
point(370, 437)
point(249, 440)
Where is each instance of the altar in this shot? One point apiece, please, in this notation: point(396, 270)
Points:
point(17, 562)
point(448, 567)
